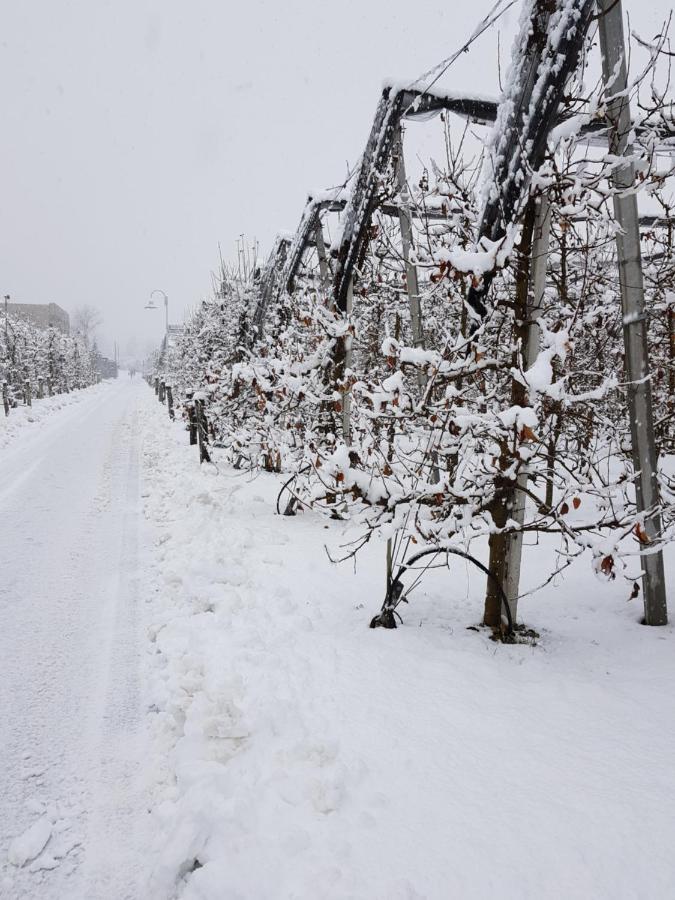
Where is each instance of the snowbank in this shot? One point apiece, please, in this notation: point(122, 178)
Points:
point(21, 417)
point(310, 757)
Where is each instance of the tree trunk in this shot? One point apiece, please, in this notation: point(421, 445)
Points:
point(505, 499)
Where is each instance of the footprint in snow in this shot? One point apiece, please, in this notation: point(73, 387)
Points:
point(31, 843)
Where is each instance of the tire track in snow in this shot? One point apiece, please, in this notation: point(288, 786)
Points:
point(70, 754)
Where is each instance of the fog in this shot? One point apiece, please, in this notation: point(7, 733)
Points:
point(139, 135)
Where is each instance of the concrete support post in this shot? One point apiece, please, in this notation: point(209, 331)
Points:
point(346, 392)
point(633, 305)
point(405, 222)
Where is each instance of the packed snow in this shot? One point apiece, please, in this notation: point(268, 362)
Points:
point(73, 789)
point(199, 709)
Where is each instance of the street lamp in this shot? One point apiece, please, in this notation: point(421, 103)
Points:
point(151, 305)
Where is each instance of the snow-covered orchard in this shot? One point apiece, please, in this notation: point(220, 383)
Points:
point(362, 592)
point(40, 362)
point(426, 410)
point(441, 360)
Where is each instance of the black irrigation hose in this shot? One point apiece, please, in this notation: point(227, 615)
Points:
point(395, 591)
point(286, 484)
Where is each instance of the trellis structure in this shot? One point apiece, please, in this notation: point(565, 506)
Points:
point(525, 119)
point(268, 282)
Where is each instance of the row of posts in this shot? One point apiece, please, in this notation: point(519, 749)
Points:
point(198, 426)
point(45, 388)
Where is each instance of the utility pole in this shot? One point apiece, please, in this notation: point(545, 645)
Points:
point(645, 460)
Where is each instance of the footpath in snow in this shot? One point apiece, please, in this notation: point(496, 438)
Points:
point(306, 756)
point(73, 790)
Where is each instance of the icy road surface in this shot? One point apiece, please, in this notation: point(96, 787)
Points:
point(72, 809)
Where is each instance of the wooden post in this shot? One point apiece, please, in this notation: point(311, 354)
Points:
point(27, 396)
point(645, 459)
point(202, 431)
point(5, 397)
point(324, 269)
point(157, 385)
point(162, 391)
point(192, 417)
point(40, 391)
point(50, 387)
point(169, 401)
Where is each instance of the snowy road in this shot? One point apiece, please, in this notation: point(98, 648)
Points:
point(290, 752)
point(72, 729)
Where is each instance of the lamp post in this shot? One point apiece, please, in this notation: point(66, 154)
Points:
point(166, 308)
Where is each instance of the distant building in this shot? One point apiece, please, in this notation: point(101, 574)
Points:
point(106, 368)
point(44, 315)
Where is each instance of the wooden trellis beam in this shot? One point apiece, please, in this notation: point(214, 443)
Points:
point(527, 116)
point(270, 275)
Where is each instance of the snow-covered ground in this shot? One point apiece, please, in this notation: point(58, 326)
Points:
point(34, 416)
point(72, 785)
point(311, 757)
point(193, 705)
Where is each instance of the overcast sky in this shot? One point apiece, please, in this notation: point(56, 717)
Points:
point(138, 134)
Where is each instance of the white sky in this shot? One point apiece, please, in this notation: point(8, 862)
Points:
point(137, 134)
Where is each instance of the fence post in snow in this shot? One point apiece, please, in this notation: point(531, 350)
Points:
point(5, 397)
point(27, 396)
point(169, 401)
point(162, 390)
point(202, 431)
point(192, 417)
point(645, 462)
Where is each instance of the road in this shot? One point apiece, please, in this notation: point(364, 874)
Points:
point(72, 726)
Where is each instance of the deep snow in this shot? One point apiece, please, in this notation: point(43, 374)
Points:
point(194, 706)
point(310, 757)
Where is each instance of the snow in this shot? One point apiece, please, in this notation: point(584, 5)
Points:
point(309, 756)
point(477, 261)
point(21, 417)
point(400, 85)
point(71, 649)
point(520, 417)
point(169, 644)
point(31, 843)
